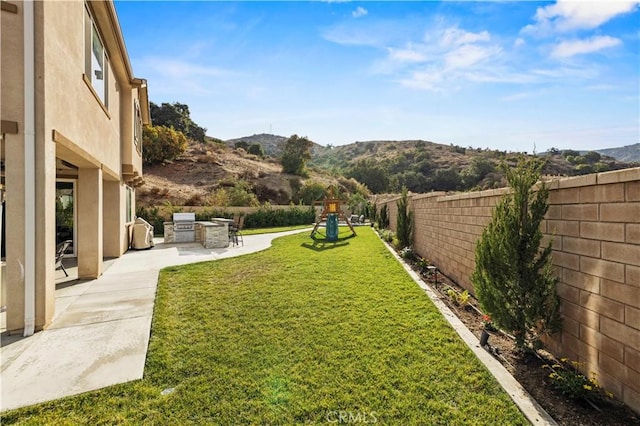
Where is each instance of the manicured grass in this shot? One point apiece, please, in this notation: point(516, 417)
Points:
point(273, 229)
point(301, 333)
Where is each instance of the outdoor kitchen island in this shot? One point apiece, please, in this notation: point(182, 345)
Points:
point(185, 229)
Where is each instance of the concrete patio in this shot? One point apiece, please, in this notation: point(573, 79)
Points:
point(100, 332)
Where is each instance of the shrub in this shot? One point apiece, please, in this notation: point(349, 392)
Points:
point(153, 216)
point(566, 378)
point(311, 191)
point(407, 253)
point(266, 217)
point(162, 143)
point(256, 149)
point(387, 235)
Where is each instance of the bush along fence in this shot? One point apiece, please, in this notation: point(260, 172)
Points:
point(254, 217)
point(593, 224)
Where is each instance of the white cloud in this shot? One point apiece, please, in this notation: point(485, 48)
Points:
point(448, 57)
point(431, 79)
point(455, 37)
point(570, 48)
point(359, 12)
point(519, 42)
point(469, 55)
point(409, 54)
point(569, 15)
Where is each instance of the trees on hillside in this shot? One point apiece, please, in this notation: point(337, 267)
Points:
point(161, 143)
point(256, 149)
point(176, 116)
point(513, 277)
point(310, 192)
point(296, 153)
point(370, 173)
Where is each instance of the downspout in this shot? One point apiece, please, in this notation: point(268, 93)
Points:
point(29, 169)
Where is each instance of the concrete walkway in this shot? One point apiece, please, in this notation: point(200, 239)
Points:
point(100, 333)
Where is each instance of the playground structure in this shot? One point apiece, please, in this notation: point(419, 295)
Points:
point(331, 214)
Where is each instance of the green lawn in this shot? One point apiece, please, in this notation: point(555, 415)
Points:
point(274, 229)
point(301, 333)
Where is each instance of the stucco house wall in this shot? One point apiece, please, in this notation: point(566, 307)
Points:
point(76, 135)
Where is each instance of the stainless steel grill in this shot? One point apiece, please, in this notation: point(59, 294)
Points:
point(184, 227)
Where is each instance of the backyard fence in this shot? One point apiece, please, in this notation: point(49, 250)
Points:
point(594, 223)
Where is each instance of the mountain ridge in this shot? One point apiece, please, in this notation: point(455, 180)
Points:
point(383, 166)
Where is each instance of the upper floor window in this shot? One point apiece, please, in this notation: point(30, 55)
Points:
point(137, 127)
point(96, 64)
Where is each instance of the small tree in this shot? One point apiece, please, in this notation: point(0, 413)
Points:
point(383, 217)
point(513, 278)
point(296, 153)
point(404, 221)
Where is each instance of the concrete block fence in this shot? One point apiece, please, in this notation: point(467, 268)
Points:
point(594, 223)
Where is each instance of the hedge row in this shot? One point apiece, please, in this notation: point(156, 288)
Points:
point(264, 217)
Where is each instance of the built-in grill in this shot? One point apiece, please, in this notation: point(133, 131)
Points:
point(184, 227)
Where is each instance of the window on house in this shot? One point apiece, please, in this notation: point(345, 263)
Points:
point(96, 62)
point(137, 127)
point(129, 203)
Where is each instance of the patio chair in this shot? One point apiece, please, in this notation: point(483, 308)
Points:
point(235, 230)
point(60, 251)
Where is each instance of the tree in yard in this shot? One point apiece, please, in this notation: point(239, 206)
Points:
point(513, 277)
point(383, 217)
point(296, 153)
point(404, 221)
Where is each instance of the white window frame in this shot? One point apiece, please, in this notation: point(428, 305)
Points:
point(96, 63)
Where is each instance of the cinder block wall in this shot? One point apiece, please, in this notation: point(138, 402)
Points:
point(594, 221)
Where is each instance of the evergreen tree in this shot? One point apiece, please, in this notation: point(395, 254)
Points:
point(513, 278)
point(404, 221)
point(383, 217)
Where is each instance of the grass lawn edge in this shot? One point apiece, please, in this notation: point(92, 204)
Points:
point(525, 402)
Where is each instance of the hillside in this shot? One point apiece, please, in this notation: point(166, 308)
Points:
point(424, 166)
point(629, 153)
point(271, 144)
point(194, 177)
point(384, 166)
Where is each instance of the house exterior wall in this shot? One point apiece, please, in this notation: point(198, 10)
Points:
point(594, 223)
point(72, 125)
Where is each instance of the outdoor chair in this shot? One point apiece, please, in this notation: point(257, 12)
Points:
point(60, 251)
point(235, 230)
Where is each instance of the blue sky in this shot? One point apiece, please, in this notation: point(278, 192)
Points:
point(514, 76)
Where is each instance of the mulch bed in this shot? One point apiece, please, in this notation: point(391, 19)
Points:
point(528, 369)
